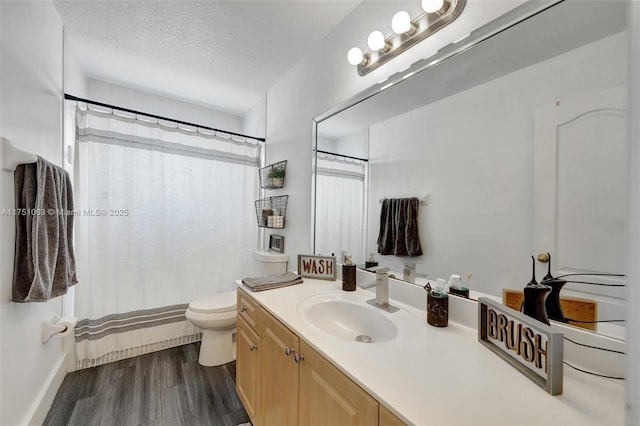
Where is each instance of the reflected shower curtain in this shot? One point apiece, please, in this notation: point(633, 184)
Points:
point(165, 217)
point(340, 206)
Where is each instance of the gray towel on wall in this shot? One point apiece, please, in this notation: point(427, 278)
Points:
point(44, 261)
point(398, 234)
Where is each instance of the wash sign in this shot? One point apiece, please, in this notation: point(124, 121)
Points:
point(530, 346)
point(319, 267)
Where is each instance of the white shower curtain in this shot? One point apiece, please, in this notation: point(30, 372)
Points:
point(165, 216)
point(340, 206)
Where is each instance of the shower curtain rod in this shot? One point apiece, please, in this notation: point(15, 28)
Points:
point(342, 155)
point(87, 101)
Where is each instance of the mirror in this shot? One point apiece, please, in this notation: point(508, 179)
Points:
point(518, 140)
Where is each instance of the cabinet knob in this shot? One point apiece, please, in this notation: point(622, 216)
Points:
point(298, 358)
point(252, 348)
point(289, 351)
point(242, 309)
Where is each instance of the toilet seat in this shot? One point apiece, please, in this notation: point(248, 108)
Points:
point(217, 303)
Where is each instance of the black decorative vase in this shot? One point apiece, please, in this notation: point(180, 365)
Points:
point(552, 303)
point(534, 302)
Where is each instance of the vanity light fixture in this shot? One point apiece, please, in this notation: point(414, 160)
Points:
point(401, 23)
point(376, 41)
point(355, 56)
point(407, 33)
point(432, 6)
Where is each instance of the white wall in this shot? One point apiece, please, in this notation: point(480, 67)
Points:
point(327, 144)
point(75, 80)
point(355, 145)
point(126, 97)
point(324, 79)
point(473, 152)
point(633, 293)
point(31, 118)
point(254, 122)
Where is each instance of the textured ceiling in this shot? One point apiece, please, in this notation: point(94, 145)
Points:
point(218, 53)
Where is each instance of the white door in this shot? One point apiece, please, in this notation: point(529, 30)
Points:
point(580, 202)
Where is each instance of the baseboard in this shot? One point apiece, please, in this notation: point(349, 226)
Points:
point(41, 405)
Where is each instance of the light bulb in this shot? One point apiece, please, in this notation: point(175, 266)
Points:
point(401, 22)
point(376, 40)
point(354, 56)
point(431, 6)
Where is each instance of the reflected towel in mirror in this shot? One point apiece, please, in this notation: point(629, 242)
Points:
point(398, 234)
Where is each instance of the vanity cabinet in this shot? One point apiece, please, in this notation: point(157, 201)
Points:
point(387, 418)
point(282, 380)
point(248, 367)
point(327, 394)
point(279, 375)
point(248, 358)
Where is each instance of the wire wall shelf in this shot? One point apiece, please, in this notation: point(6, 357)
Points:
point(271, 211)
point(272, 176)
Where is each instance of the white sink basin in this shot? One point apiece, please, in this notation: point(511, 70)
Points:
point(349, 317)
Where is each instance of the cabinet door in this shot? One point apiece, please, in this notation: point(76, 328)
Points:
point(328, 397)
point(248, 368)
point(387, 418)
point(279, 374)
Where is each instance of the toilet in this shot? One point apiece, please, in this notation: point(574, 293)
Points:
point(216, 314)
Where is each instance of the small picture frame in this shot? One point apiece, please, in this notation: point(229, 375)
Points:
point(318, 267)
point(276, 243)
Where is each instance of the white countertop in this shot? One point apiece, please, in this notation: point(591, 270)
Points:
point(444, 376)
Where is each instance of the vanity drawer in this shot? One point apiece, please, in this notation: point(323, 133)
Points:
point(249, 310)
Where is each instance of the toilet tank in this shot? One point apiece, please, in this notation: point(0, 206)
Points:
point(268, 263)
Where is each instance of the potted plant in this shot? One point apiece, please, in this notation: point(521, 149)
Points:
point(276, 177)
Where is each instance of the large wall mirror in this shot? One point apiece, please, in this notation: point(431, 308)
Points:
point(519, 140)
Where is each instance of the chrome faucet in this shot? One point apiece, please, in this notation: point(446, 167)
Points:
point(382, 291)
point(409, 273)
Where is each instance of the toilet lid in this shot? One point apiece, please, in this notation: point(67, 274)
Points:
point(221, 302)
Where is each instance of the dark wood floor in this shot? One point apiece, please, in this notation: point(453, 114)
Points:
point(165, 388)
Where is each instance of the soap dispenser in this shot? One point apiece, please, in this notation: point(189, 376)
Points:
point(535, 295)
point(348, 274)
point(372, 262)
